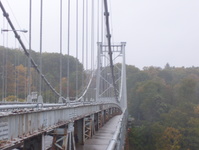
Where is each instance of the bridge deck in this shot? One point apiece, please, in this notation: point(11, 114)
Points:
point(101, 139)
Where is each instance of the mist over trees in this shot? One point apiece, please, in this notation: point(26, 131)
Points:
point(14, 74)
point(165, 106)
point(164, 102)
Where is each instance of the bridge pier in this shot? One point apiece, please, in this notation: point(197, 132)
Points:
point(100, 119)
point(85, 128)
point(79, 132)
point(96, 122)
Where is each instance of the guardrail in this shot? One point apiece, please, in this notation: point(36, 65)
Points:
point(4, 107)
point(118, 140)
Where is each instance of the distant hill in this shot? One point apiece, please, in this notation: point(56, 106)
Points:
point(13, 64)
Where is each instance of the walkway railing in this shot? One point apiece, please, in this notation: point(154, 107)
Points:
point(118, 140)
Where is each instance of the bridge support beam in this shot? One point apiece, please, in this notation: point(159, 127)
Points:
point(96, 122)
point(35, 143)
point(87, 128)
point(71, 140)
point(63, 138)
point(59, 138)
point(100, 119)
point(79, 131)
point(106, 115)
point(92, 124)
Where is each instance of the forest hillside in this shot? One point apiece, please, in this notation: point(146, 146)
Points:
point(164, 103)
point(14, 73)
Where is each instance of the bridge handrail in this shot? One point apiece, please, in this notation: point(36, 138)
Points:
point(45, 107)
point(18, 106)
point(114, 141)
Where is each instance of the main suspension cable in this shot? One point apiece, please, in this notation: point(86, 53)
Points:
point(109, 47)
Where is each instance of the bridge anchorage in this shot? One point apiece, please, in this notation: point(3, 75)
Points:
point(95, 119)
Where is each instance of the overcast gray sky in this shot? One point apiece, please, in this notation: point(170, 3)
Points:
point(156, 31)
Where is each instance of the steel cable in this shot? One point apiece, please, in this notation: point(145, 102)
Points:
point(41, 25)
point(77, 42)
point(60, 90)
point(68, 61)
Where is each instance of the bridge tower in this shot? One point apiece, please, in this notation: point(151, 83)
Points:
point(104, 82)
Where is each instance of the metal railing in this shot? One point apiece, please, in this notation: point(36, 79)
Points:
point(118, 140)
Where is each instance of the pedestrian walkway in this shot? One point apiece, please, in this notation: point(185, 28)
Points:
point(101, 139)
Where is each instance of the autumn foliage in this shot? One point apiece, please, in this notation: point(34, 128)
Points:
point(165, 106)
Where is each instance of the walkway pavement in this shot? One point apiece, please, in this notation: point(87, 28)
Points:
point(101, 139)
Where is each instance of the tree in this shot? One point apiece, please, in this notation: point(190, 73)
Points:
point(187, 90)
point(170, 139)
point(142, 138)
point(150, 100)
point(21, 81)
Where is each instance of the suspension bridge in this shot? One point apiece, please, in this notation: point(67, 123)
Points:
point(46, 116)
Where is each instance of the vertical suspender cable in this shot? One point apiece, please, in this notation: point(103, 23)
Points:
point(25, 75)
point(3, 72)
point(3, 34)
point(77, 42)
point(92, 35)
point(91, 29)
point(86, 55)
point(60, 90)
point(102, 22)
point(41, 19)
point(3, 75)
point(83, 42)
point(15, 72)
point(102, 39)
point(68, 62)
point(6, 65)
point(29, 63)
point(86, 34)
point(98, 20)
point(6, 15)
